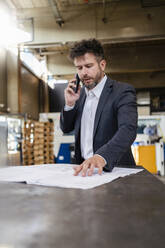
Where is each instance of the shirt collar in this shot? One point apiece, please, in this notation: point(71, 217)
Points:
point(98, 88)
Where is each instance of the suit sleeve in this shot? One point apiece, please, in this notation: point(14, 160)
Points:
point(67, 120)
point(126, 109)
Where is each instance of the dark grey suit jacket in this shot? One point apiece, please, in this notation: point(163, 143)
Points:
point(115, 124)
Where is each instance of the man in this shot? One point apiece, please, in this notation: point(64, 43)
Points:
point(103, 113)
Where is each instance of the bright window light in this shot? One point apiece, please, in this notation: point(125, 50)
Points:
point(32, 62)
point(10, 34)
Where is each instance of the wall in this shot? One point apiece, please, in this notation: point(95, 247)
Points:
point(32, 94)
point(142, 79)
point(29, 94)
point(136, 57)
point(8, 69)
point(3, 80)
point(12, 80)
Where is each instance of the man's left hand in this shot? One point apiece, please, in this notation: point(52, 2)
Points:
point(87, 167)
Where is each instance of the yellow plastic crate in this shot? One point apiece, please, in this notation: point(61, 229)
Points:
point(145, 156)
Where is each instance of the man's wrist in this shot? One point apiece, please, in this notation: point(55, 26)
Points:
point(102, 158)
point(67, 107)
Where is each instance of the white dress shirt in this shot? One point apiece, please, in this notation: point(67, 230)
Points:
point(88, 118)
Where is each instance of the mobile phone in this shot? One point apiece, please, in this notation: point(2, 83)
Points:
point(77, 83)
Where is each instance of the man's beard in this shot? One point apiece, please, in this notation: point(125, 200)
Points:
point(96, 80)
point(90, 86)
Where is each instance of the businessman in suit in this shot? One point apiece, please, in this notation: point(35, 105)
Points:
point(103, 113)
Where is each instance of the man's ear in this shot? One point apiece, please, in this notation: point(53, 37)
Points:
point(103, 64)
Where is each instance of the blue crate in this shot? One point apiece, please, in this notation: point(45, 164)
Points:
point(64, 154)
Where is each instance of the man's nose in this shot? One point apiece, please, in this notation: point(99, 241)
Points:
point(84, 71)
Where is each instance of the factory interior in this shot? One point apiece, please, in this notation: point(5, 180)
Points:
point(36, 36)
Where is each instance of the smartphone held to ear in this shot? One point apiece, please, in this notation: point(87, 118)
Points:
point(77, 83)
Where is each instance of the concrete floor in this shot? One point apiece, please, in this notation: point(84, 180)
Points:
point(161, 178)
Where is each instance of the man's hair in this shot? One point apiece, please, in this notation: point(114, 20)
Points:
point(87, 46)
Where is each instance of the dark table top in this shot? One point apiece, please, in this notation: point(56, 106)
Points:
point(128, 212)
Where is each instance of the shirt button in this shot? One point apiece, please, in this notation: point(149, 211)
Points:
point(91, 94)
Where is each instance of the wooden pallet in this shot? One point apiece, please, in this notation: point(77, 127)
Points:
point(37, 146)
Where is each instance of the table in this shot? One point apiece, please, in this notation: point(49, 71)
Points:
point(128, 212)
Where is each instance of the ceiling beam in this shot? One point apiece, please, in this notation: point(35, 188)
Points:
point(120, 41)
point(11, 4)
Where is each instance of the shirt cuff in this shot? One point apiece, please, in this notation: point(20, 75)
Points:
point(102, 158)
point(67, 108)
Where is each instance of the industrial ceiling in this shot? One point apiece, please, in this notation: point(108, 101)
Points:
point(24, 9)
point(62, 4)
point(147, 9)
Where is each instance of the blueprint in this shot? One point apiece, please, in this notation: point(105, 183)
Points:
point(60, 175)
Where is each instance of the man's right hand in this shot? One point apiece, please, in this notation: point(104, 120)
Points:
point(70, 96)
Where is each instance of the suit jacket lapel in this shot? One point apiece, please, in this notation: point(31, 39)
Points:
point(102, 101)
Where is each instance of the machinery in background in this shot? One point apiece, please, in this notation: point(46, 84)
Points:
point(160, 158)
point(10, 139)
point(149, 146)
point(3, 141)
